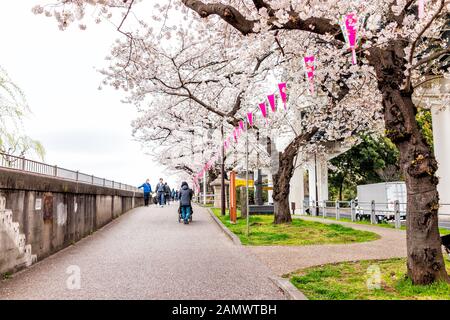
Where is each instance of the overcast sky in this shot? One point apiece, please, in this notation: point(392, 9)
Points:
point(80, 127)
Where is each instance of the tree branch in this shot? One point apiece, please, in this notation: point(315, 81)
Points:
point(414, 44)
point(228, 13)
point(431, 57)
point(236, 19)
point(259, 4)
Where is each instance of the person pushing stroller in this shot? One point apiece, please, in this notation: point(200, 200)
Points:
point(185, 195)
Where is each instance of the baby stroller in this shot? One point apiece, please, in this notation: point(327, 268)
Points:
point(180, 218)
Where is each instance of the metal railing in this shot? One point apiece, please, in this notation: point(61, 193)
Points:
point(209, 198)
point(27, 165)
point(376, 212)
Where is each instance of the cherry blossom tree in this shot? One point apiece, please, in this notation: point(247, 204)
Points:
point(392, 44)
point(13, 109)
point(390, 64)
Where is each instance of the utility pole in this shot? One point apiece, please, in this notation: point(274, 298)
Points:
point(258, 180)
point(317, 190)
point(204, 187)
point(222, 173)
point(246, 177)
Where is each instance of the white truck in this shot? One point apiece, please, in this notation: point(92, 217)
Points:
point(384, 195)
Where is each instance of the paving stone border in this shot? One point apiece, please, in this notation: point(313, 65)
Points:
point(227, 231)
point(288, 288)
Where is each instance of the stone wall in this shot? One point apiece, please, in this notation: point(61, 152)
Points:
point(41, 215)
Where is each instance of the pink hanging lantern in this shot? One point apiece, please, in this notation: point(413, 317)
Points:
point(271, 99)
point(250, 118)
point(349, 29)
point(309, 70)
point(282, 88)
point(241, 125)
point(263, 108)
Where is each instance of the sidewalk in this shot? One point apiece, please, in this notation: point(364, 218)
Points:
point(147, 254)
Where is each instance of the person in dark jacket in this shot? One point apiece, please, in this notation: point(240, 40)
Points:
point(160, 191)
point(167, 193)
point(185, 201)
point(147, 190)
point(174, 195)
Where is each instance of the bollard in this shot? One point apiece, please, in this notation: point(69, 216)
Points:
point(372, 212)
point(323, 208)
point(352, 210)
point(397, 214)
point(337, 211)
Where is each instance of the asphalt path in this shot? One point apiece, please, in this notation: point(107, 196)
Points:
point(147, 254)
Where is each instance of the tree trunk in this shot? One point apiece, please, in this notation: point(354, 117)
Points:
point(341, 186)
point(418, 165)
point(281, 187)
point(282, 179)
point(213, 174)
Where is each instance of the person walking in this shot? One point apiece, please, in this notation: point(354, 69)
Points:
point(167, 193)
point(174, 195)
point(147, 191)
point(185, 201)
point(160, 191)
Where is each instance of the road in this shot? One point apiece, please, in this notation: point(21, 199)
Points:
point(147, 254)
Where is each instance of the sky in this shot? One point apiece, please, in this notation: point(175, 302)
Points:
point(82, 128)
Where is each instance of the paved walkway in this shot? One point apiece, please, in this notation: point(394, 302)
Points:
point(286, 259)
point(146, 254)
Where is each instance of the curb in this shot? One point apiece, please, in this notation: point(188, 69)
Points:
point(288, 288)
point(283, 284)
point(227, 232)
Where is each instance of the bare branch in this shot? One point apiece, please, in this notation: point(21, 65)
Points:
point(431, 57)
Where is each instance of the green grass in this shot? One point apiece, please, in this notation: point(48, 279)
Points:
point(348, 281)
point(442, 231)
point(301, 232)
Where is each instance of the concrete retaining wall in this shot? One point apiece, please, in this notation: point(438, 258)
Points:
point(53, 213)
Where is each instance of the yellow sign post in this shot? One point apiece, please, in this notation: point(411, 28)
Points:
point(242, 183)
